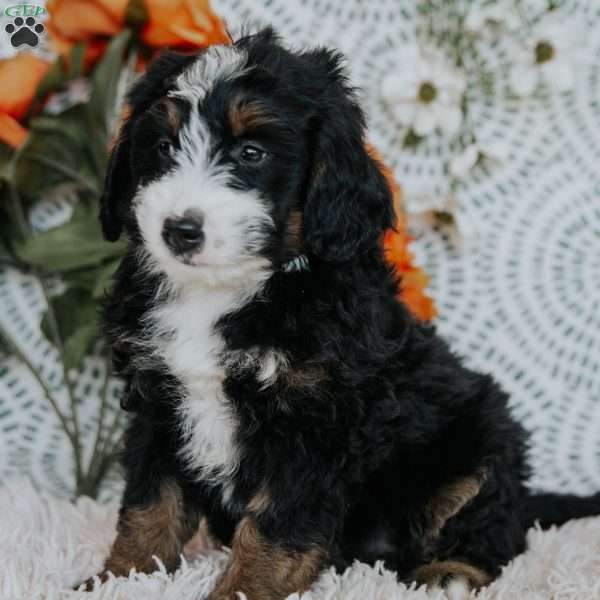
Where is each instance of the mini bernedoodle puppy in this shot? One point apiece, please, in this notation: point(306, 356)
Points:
point(280, 390)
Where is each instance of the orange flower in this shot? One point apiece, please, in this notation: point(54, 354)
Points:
point(82, 20)
point(91, 21)
point(175, 23)
point(182, 23)
point(19, 79)
point(413, 280)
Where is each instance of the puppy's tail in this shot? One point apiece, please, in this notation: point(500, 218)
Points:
point(556, 509)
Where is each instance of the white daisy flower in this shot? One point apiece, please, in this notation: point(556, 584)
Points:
point(424, 208)
point(491, 16)
point(550, 56)
point(464, 161)
point(461, 164)
point(425, 92)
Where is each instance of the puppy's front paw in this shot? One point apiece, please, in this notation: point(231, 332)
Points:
point(89, 584)
point(457, 578)
point(216, 595)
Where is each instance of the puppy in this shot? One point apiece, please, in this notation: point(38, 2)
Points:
point(284, 395)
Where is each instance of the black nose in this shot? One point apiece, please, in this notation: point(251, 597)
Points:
point(184, 234)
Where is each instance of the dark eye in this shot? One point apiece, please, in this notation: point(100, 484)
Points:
point(252, 154)
point(164, 148)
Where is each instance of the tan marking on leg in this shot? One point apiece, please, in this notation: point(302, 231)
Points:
point(438, 572)
point(449, 501)
point(246, 114)
point(202, 542)
point(159, 529)
point(264, 571)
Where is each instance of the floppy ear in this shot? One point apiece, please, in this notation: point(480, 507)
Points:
point(119, 186)
point(348, 204)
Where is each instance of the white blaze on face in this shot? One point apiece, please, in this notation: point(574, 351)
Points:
point(235, 221)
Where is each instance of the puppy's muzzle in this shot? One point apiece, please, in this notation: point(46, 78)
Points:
point(184, 234)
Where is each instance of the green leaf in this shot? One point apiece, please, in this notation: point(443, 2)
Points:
point(95, 280)
point(76, 61)
point(76, 314)
point(5, 254)
point(104, 82)
point(74, 245)
point(54, 79)
point(57, 151)
point(6, 162)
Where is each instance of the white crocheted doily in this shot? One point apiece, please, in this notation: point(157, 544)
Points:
point(521, 299)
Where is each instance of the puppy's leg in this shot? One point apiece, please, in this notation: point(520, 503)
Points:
point(264, 569)
point(160, 526)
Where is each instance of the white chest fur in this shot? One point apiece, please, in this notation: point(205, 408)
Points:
point(183, 330)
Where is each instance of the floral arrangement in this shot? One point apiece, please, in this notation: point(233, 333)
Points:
point(57, 120)
point(463, 52)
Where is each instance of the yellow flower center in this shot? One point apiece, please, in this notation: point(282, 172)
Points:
point(427, 92)
point(544, 52)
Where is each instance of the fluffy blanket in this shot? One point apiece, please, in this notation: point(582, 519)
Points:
point(48, 544)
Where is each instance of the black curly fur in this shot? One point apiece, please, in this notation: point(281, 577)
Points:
point(394, 418)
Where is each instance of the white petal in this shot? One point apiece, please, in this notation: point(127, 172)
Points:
point(424, 122)
point(465, 225)
point(419, 201)
point(396, 87)
point(404, 112)
point(512, 20)
point(524, 79)
point(495, 149)
point(462, 163)
point(422, 69)
point(452, 80)
point(450, 118)
point(560, 74)
point(475, 20)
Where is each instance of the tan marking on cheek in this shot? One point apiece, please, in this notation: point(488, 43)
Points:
point(247, 114)
point(264, 571)
point(173, 117)
point(261, 501)
point(318, 172)
point(159, 529)
point(306, 376)
point(437, 572)
point(293, 234)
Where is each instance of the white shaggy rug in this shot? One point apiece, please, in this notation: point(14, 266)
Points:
point(47, 545)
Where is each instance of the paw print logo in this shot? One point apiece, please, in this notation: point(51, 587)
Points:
point(24, 32)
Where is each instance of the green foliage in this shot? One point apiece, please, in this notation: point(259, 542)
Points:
point(58, 150)
point(104, 82)
point(67, 151)
point(76, 316)
point(75, 245)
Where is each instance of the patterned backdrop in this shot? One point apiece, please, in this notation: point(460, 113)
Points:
point(518, 292)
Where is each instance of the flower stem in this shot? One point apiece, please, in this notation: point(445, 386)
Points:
point(96, 455)
point(58, 342)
